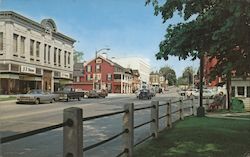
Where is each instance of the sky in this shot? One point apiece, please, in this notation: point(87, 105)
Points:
point(127, 27)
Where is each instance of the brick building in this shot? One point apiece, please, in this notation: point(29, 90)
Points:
point(102, 73)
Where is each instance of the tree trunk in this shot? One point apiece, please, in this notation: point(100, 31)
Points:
point(229, 91)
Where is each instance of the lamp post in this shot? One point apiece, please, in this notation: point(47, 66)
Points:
point(96, 53)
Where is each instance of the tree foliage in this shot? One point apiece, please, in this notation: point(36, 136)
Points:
point(169, 74)
point(216, 28)
point(78, 56)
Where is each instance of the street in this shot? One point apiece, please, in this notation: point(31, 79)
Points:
point(26, 117)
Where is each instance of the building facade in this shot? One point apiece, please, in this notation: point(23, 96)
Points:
point(139, 64)
point(102, 73)
point(157, 81)
point(33, 55)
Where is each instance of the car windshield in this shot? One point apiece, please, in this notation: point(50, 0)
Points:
point(34, 92)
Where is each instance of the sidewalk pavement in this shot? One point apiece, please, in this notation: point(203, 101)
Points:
point(229, 115)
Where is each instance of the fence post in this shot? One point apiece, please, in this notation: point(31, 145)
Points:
point(73, 132)
point(169, 114)
point(181, 109)
point(207, 102)
point(128, 124)
point(154, 126)
point(192, 106)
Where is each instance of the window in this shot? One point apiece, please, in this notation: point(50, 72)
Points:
point(117, 76)
point(22, 45)
point(32, 47)
point(241, 91)
point(109, 77)
point(45, 53)
point(77, 79)
point(69, 58)
point(65, 63)
point(89, 68)
point(233, 91)
point(89, 77)
point(97, 68)
point(59, 57)
point(49, 54)
point(248, 91)
point(109, 86)
point(37, 49)
point(97, 77)
point(55, 50)
point(1, 40)
point(15, 36)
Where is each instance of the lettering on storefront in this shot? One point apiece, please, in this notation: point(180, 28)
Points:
point(65, 75)
point(26, 69)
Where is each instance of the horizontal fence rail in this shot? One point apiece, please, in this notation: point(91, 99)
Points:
point(73, 127)
point(33, 132)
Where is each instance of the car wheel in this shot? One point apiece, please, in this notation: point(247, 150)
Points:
point(52, 101)
point(37, 101)
point(79, 99)
point(17, 102)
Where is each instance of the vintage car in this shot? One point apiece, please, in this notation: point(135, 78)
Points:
point(68, 93)
point(37, 96)
point(145, 94)
point(97, 93)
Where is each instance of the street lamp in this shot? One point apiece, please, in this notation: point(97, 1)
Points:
point(96, 53)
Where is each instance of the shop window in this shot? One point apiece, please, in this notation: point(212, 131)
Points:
point(57, 74)
point(248, 91)
point(233, 91)
point(4, 67)
point(241, 90)
point(22, 45)
point(15, 36)
point(38, 71)
point(32, 47)
point(14, 67)
point(109, 86)
point(1, 41)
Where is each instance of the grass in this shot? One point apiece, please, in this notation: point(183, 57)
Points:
point(200, 137)
point(7, 98)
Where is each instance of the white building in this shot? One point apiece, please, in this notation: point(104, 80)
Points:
point(241, 90)
point(136, 63)
point(33, 55)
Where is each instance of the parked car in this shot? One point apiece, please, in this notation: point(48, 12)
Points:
point(206, 93)
point(68, 93)
point(97, 93)
point(190, 92)
point(36, 96)
point(102, 93)
point(152, 92)
point(145, 94)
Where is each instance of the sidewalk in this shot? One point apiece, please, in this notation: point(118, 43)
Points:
point(237, 116)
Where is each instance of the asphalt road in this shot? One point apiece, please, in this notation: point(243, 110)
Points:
point(25, 117)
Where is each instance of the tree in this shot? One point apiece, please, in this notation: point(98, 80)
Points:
point(169, 74)
point(188, 74)
point(215, 28)
point(78, 56)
